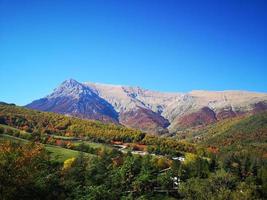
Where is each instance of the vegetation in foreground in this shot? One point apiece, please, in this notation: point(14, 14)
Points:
point(28, 172)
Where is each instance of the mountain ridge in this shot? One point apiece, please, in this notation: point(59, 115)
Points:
point(151, 111)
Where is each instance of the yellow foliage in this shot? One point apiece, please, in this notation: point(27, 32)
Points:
point(163, 163)
point(68, 163)
point(189, 157)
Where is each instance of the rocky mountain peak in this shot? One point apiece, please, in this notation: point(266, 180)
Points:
point(71, 88)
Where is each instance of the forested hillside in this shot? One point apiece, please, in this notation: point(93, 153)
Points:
point(45, 123)
point(50, 123)
point(246, 133)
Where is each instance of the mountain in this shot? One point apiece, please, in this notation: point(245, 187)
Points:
point(181, 110)
point(75, 99)
point(151, 111)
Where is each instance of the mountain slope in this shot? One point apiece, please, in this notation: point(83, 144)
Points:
point(137, 108)
point(182, 110)
point(151, 111)
point(75, 99)
point(246, 132)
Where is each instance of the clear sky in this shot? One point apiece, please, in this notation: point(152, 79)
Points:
point(165, 45)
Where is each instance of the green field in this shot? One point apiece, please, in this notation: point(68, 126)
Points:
point(93, 144)
point(5, 137)
point(63, 137)
point(76, 141)
point(61, 154)
point(57, 153)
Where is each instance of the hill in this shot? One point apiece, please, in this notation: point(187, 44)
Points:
point(48, 123)
point(51, 123)
point(246, 133)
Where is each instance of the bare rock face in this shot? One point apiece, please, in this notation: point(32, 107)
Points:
point(145, 120)
point(226, 113)
point(202, 117)
point(260, 106)
point(151, 111)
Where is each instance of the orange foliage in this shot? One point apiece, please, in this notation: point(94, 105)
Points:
point(213, 149)
point(116, 142)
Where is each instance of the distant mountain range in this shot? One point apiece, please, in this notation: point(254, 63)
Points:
point(150, 111)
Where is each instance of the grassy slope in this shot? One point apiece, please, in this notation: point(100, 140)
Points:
point(57, 152)
point(93, 144)
point(62, 154)
point(77, 141)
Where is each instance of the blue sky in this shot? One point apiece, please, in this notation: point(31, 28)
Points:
point(166, 45)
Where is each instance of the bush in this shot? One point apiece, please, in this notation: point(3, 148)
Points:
point(2, 130)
